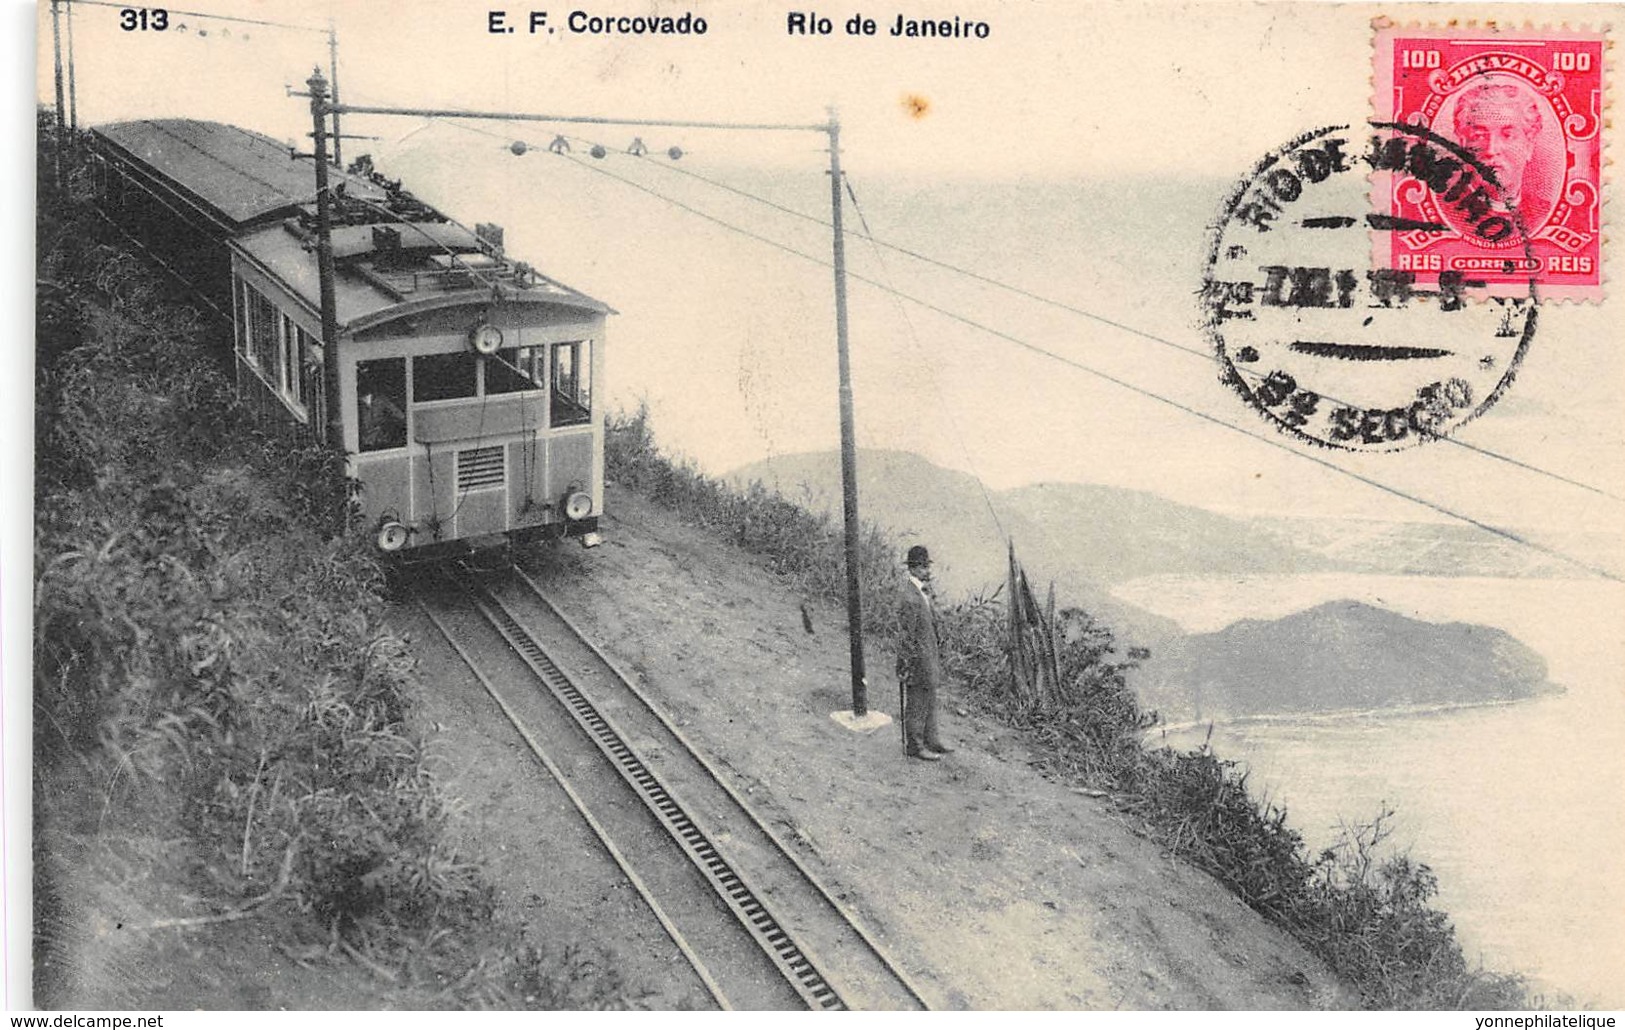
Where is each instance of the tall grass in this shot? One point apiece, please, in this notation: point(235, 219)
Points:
point(1367, 914)
point(211, 650)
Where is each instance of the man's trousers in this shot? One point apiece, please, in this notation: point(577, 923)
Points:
point(919, 715)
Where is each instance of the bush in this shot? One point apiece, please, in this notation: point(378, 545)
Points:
point(796, 543)
point(194, 632)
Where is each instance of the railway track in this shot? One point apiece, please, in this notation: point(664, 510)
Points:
point(753, 921)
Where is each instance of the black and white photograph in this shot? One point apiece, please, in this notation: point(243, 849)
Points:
point(954, 506)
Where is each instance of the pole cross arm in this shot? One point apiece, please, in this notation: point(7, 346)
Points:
point(563, 119)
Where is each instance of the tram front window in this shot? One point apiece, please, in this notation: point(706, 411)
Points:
point(444, 377)
point(380, 388)
point(512, 371)
point(572, 383)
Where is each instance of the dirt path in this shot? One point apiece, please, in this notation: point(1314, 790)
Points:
point(994, 887)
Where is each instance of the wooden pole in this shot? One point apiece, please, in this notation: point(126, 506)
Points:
point(324, 264)
point(56, 50)
point(333, 70)
point(1013, 625)
point(849, 451)
point(73, 92)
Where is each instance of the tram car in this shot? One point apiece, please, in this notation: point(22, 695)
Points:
point(469, 385)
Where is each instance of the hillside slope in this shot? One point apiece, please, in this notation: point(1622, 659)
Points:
point(993, 886)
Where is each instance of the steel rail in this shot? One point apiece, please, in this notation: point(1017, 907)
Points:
point(730, 884)
point(699, 756)
point(597, 828)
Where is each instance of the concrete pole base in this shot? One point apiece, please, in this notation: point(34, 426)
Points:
point(865, 723)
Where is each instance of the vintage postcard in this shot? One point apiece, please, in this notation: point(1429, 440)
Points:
point(773, 506)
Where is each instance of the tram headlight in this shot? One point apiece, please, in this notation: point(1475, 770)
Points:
point(485, 339)
point(577, 505)
point(392, 536)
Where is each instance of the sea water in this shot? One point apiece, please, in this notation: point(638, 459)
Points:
point(1516, 807)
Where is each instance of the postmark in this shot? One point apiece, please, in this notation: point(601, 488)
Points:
point(1329, 342)
point(1530, 104)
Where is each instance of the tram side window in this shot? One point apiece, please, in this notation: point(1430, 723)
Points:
point(444, 377)
point(513, 370)
point(380, 388)
point(301, 354)
point(287, 367)
point(572, 383)
point(259, 330)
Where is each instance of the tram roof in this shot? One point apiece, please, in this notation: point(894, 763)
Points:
point(365, 296)
point(241, 175)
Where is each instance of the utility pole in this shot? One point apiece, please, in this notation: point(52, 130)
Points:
point(73, 92)
point(849, 450)
point(333, 69)
point(56, 50)
point(324, 263)
point(859, 717)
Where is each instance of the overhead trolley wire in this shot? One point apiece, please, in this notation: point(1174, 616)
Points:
point(1111, 322)
point(210, 15)
point(914, 342)
point(1061, 305)
point(1434, 506)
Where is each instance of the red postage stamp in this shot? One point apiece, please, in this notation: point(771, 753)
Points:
point(1522, 109)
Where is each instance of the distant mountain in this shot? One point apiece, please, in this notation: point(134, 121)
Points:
point(919, 502)
point(1076, 533)
point(1082, 533)
point(1339, 656)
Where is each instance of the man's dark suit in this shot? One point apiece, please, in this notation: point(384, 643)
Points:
point(919, 668)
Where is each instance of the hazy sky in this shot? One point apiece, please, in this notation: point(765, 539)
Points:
point(1054, 89)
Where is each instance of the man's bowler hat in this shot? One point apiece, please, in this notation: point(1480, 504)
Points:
point(918, 555)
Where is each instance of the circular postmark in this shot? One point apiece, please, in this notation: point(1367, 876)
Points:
point(1316, 331)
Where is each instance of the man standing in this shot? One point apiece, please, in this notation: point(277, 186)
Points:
point(919, 662)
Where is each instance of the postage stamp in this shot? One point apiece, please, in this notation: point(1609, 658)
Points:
point(1326, 339)
point(1529, 104)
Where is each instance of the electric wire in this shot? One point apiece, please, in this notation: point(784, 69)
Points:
point(1434, 506)
point(1204, 355)
point(914, 342)
point(1080, 366)
point(1111, 322)
point(205, 14)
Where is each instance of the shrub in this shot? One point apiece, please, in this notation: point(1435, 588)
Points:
point(795, 542)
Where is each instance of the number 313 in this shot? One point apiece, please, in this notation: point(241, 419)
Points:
point(133, 19)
